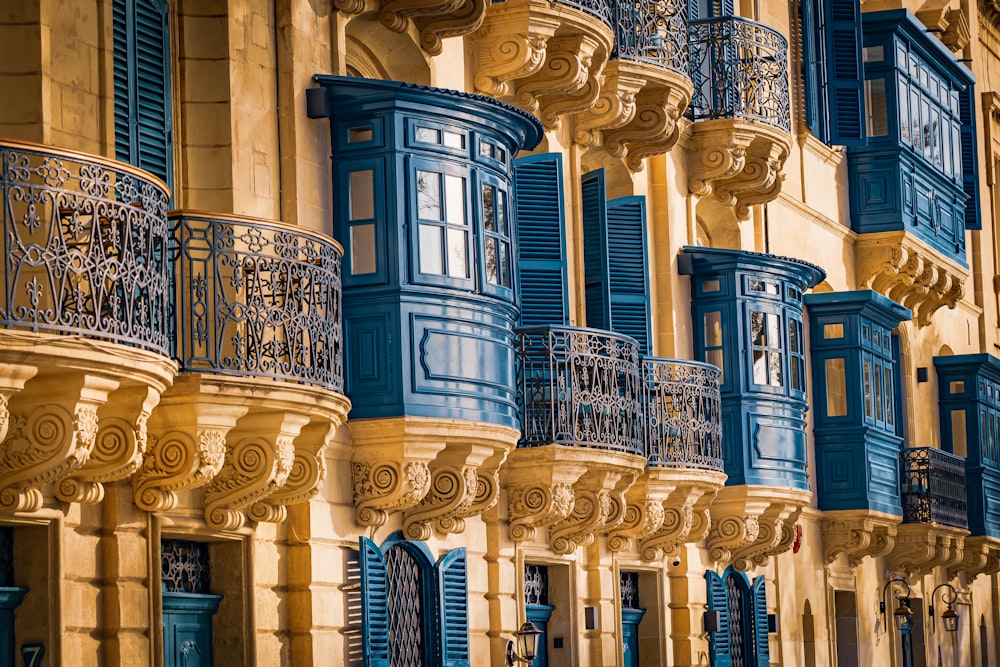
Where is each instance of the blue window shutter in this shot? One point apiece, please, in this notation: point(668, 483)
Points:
point(595, 250)
point(718, 642)
point(627, 268)
point(762, 650)
point(541, 255)
point(970, 157)
point(810, 68)
point(844, 74)
point(143, 127)
point(374, 605)
point(453, 608)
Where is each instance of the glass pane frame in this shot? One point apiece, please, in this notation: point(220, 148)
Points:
point(344, 226)
point(449, 222)
point(502, 235)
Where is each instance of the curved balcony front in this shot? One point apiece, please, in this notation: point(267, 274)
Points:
point(83, 321)
point(257, 311)
point(740, 108)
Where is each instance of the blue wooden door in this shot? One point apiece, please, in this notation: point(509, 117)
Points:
point(187, 629)
point(539, 614)
point(630, 635)
point(10, 598)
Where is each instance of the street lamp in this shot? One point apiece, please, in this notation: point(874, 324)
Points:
point(524, 647)
point(949, 616)
point(902, 616)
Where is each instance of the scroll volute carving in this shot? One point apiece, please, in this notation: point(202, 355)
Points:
point(921, 547)
point(53, 424)
point(752, 523)
point(685, 514)
point(434, 20)
point(858, 535)
point(981, 556)
point(308, 470)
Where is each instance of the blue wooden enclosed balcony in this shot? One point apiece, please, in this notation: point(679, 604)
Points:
point(84, 311)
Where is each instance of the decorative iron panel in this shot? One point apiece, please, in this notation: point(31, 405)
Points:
point(602, 9)
point(184, 567)
point(932, 487)
point(628, 584)
point(256, 298)
point(653, 31)
point(739, 69)
point(736, 606)
point(683, 413)
point(405, 613)
point(579, 387)
point(85, 243)
point(536, 584)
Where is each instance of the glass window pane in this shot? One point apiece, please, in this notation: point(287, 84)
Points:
point(362, 249)
point(794, 343)
point(875, 103)
point(869, 412)
point(714, 357)
point(362, 196)
point(711, 286)
point(431, 255)
point(359, 134)
point(773, 335)
point(427, 135)
point(492, 270)
point(831, 331)
point(774, 376)
point(501, 214)
point(454, 139)
point(759, 367)
point(958, 439)
point(486, 149)
point(890, 397)
point(878, 396)
point(428, 195)
point(457, 242)
point(956, 387)
point(454, 187)
point(489, 212)
point(713, 329)
point(836, 387)
point(505, 264)
point(757, 333)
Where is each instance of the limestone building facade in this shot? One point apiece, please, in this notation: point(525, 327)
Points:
point(366, 331)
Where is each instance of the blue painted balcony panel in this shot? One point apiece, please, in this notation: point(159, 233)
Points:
point(256, 298)
point(740, 70)
point(85, 242)
point(682, 412)
point(932, 487)
point(969, 408)
point(423, 203)
point(747, 320)
point(579, 387)
point(653, 32)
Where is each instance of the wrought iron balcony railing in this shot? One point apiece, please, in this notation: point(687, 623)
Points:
point(602, 9)
point(579, 387)
point(932, 487)
point(739, 69)
point(257, 298)
point(85, 247)
point(683, 414)
point(654, 32)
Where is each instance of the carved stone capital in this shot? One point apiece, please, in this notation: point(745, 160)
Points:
point(749, 523)
point(981, 556)
point(427, 468)
point(909, 272)
point(921, 547)
point(739, 161)
point(857, 534)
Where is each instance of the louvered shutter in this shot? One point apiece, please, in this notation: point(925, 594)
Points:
point(811, 73)
point(374, 605)
point(761, 649)
point(970, 157)
point(541, 259)
point(627, 268)
point(718, 642)
point(143, 128)
point(595, 250)
point(453, 608)
point(844, 74)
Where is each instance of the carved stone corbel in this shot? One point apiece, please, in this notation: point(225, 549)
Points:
point(598, 506)
point(654, 129)
point(53, 427)
point(776, 532)
point(615, 106)
point(434, 20)
point(909, 272)
point(187, 439)
point(857, 534)
point(510, 45)
point(567, 81)
point(686, 518)
point(921, 547)
point(981, 556)
point(307, 472)
point(537, 505)
point(349, 6)
point(12, 381)
point(748, 523)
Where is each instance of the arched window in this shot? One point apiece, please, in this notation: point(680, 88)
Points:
point(738, 637)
